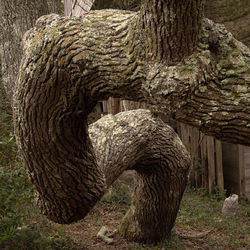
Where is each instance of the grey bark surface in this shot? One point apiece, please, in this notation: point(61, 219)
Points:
point(77, 7)
point(209, 89)
point(151, 148)
point(16, 17)
point(70, 63)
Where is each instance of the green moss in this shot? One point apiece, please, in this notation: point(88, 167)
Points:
point(128, 227)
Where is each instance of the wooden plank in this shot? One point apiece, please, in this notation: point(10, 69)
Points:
point(195, 152)
point(192, 149)
point(211, 164)
point(105, 107)
point(204, 160)
point(109, 106)
point(242, 178)
point(247, 170)
point(231, 167)
point(219, 166)
point(77, 7)
point(185, 135)
point(115, 103)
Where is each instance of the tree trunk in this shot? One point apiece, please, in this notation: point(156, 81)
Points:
point(154, 150)
point(77, 7)
point(234, 14)
point(172, 36)
point(16, 17)
point(70, 64)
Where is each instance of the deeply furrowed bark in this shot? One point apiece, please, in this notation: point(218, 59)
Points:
point(170, 34)
point(71, 63)
point(154, 150)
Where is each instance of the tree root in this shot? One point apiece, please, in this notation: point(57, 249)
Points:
point(194, 235)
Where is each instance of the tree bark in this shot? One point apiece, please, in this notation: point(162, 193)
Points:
point(154, 150)
point(171, 35)
point(70, 64)
point(16, 17)
point(235, 15)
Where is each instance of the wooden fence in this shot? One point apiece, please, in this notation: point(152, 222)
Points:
point(206, 152)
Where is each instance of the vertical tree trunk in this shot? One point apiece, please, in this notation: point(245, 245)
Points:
point(16, 17)
point(159, 185)
point(171, 35)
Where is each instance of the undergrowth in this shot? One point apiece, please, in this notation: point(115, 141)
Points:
point(21, 226)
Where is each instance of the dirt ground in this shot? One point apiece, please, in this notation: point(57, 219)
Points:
point(85, 232)
point(199, 225)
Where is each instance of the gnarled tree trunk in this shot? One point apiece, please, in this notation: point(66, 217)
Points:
point(151, 148)
point(70, 64)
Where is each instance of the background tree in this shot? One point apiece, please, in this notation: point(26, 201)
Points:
point(76, 7)
point(16, 17)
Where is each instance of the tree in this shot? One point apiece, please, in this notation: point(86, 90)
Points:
point(17, 17)
point(76, 7)
point(234, 14)
point(167, 54)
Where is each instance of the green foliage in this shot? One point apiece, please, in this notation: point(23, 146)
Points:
point(18, 215)
point(39, 236)
point(200, 211)
point(15, 189)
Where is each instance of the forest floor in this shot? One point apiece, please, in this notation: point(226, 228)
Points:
point(199, 225)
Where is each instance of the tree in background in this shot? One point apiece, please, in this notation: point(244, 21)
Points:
point(168, 55)
point(16, 17)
